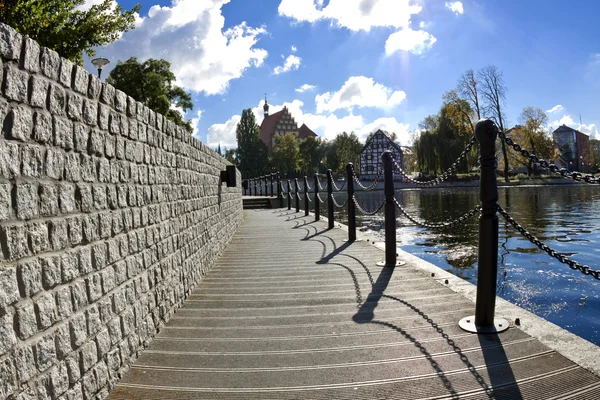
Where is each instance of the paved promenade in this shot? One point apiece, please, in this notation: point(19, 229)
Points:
point(291, 311)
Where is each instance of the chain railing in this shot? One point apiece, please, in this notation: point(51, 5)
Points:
point(586, 270)
point(440, 225)
point(363, 211)
point(372, 185)
point(540, 162)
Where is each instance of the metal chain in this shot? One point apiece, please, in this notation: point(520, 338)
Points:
point(308, 187)
point(336, 188)
point(446, 174)
point(335, 203)
point(321, 188)
point(565, 173)
point(309, 199)
point(372, 186)
point(362, 210)
point(320, 200)
point(543, 246)
point(442, 225)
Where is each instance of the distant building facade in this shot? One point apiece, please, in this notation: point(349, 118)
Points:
point(573, 148)
point(280, 123)
point(370, 155)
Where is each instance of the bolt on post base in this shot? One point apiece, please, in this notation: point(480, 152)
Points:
point(468, 324)
point(384, 264)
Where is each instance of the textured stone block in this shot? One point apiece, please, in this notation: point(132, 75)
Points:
point(58, 234)
point(55, 164)
point(64, 304)
point(59, 379)
point(38, 237)
point(38, 95)
point(30, 277)
point(25, 320)
point(57, 100)
point(72, 171)
point(114, 126)
point(117, 223)
point(78, 327)
point(94, 287)
point(66, 193)
point(74, 370)
point(10, 43)
point(16, 84)
point(100, 201)
point(70, 266)
point(108, 280)
point(50, 63)
point(89, 355)
point(120, 272)
point(99, 256)
point(63, 132)
point(65, 75)
point(83, 194)
point(25, 363)
point(105, 308)
point(108, 94)
point(31, 55)
point(91, 228)
point(27, 200)
point(19, 124)
point(81, 137)
point(114, 253)
point(89, 385)
point(94, 322)
point(10, 159)
point(74, 106)
point(90, 112)
point(85, 260)
point(97, 139)
point(94, 87)
point(79, 293)
point(101, 372)
point(80, 80)
point(75, 230)
point(45, 352)
point(42, 127)
point(104, 172)
point(110, 146)
point(120, 148)
point(5, 201)
point(48, 201)
point(7, 333)
point(88, 168)
point(8, 379)
point(120, 101)
point(46, 310)
point(33, 161)
point(51, 271)
point(114, 330)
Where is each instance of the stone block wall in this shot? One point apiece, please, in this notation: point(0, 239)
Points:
point(109, 216)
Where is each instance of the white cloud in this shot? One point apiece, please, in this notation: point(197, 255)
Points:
point(455, 6)
point(326, 126)
point(554, 109)
point(190, 34)
point(195, 122)
point(89, 3)
point(305, 88)
point(291, 62)
point(417, 42)
point(294, 49)
point(359, 91)
point(589, 129)
point(352, 14)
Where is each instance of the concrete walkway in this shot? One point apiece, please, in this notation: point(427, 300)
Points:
point(291, 311)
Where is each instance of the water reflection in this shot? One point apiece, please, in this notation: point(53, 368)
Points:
point(564, 217)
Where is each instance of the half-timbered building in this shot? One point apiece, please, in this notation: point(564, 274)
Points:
point(370, 155)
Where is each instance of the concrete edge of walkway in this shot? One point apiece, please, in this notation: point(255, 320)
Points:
point(582, 352)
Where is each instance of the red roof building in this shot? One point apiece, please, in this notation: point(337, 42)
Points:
point(280, 123)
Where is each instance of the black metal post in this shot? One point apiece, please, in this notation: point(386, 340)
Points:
point(330, 199)
point(351, 206)
point(272, 178)
point(306, 207)
point(297, 190)
point(289, 195)
point(317, 204)
point(279, 191)
point(389, 210)
point(252, 187)
point(487, 262)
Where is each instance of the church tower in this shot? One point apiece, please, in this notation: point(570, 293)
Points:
point(266, 107)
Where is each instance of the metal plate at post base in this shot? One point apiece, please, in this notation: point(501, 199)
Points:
point(355, 240)
point(383, 264)
point(468, 324)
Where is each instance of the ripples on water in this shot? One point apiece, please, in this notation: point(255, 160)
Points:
point(567, 218)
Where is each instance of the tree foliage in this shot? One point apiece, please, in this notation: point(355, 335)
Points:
point(251, 151)
point(61, 26)
point(311, 155)
point(151, 83)
point(531, 134)
point(286, 153)
point(347, 149)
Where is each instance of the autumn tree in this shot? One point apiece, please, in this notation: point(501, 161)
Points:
point(152, 83)
point(468, 89)
point(493, 92)
point(62, 26)
point(251, 151)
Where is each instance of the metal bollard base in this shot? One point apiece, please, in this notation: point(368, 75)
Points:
point(383, 264)
point(468, 324)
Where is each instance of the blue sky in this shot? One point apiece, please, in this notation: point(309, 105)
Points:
point(360, 65)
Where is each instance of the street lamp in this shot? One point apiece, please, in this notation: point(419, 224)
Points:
point(99, 63)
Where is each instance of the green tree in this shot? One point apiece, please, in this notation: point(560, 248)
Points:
point(60, 26)
point(251, 151)
point(231, 155)
point(151, 83)
point(347, 149)
point(286, 153)
point(311, 155)
point(531, 135)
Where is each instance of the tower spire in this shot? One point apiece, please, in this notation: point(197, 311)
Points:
point(266, 107)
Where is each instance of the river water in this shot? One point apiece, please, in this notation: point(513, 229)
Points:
point(566, 218)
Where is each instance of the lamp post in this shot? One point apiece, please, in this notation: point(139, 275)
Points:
point(99, 63)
